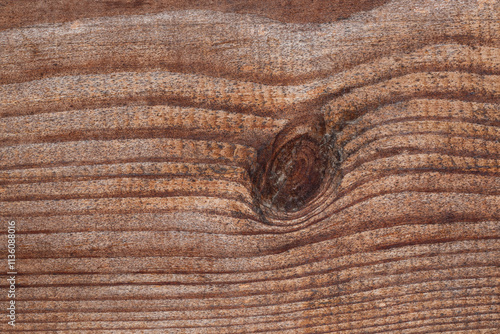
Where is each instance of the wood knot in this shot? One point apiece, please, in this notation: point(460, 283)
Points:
point(291, 170)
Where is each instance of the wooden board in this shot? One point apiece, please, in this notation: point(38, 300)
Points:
point(250, 166)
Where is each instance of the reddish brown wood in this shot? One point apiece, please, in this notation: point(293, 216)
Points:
point(251, 166)
point(26, 12)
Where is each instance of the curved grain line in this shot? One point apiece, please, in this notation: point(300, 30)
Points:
point(126, 187)
point(225, 207)
point(415, 174)
point(367, 208)
point(84, 9)
point(70, 92)
point(466, 206)
point(131, 150)
point(140, 122)
point(143, 170)
point(414, 242)
point(422, 127)
point(277, 249)
point(420, 182)
point(235, 44)
point(421, 144)
point(324, 267)
point(461, 85)
point(422, 109)
point(199, 222)
point(425, 162)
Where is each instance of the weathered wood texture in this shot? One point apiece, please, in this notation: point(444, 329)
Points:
point(252, 166)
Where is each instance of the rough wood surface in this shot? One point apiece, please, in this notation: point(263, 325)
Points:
point(251, 166)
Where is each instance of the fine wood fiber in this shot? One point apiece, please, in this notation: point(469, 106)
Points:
point(251, 166)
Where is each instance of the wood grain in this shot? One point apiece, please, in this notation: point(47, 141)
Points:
point(251, 167)
point(45, 11)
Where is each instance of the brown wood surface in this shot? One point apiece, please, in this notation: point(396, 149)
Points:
point(251, 166)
